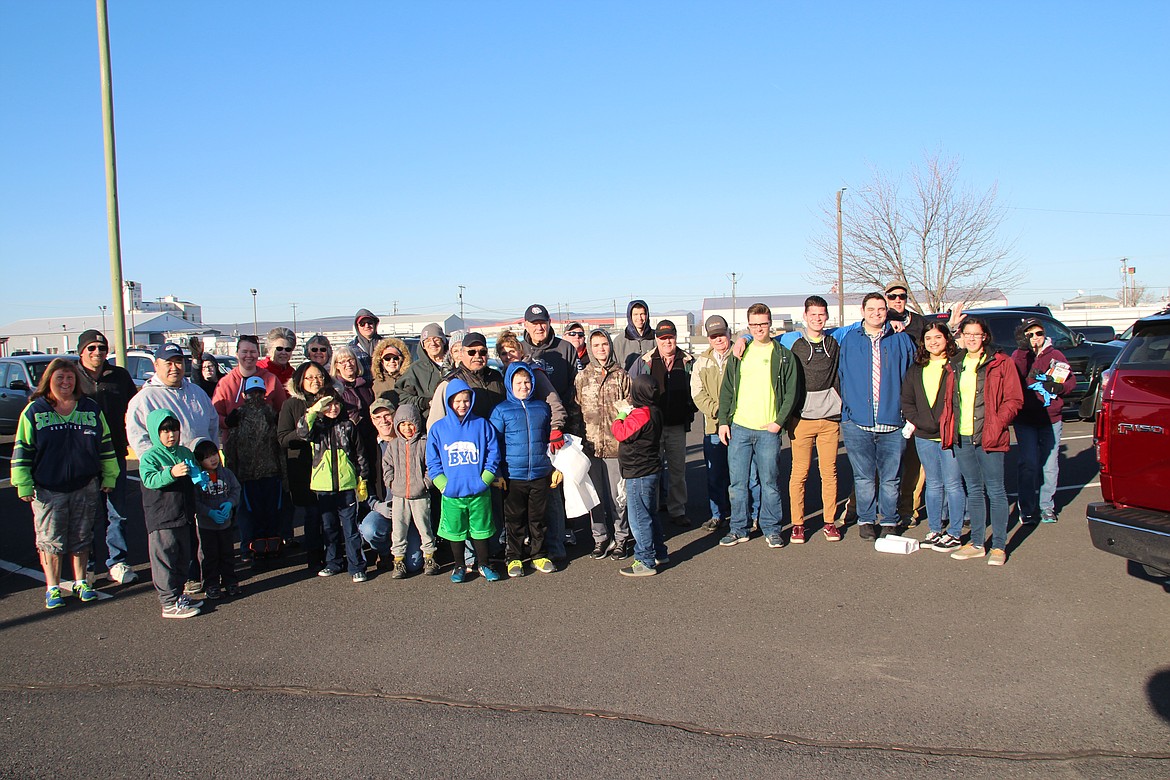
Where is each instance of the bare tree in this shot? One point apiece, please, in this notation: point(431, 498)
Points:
point(1135, 295)
point(939, 236)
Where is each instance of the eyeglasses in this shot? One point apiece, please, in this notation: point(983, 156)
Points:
point(474, 352)
point(1036, 334)
point(283, 349)
point(318, 350)
point(388, 358)
point(580, 334)
point(97, 348)
point(897, 296)
point(759, 324)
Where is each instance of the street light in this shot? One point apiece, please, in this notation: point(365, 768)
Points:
point(103, 308)
point(840, 265)
point(255, 327)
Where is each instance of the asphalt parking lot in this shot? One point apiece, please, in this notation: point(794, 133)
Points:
point(819, 660)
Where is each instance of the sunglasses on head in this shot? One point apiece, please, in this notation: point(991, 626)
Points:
point(97, 348)
point(283, 349)
point(897, 296)
point(475, 351)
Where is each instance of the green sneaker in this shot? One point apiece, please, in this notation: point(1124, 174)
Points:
point(84, 591)
point(544, 566)
point(515, 569)
point(53, 598)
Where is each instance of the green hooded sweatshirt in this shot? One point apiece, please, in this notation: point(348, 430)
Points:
point(167, 501)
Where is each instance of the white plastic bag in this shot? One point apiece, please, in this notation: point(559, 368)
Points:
point(573, 463)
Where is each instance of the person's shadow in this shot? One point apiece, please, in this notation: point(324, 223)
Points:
point(1158, 692)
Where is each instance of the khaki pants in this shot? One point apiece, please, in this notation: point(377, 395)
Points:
point(825, 435)
point(912, 499)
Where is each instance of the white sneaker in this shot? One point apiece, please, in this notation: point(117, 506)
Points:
point(180, 610)
point(122, 574)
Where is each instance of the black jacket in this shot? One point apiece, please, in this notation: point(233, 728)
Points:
point(112, 390)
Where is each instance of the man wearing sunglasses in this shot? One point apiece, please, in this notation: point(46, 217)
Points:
point(366, 337)
point(912, 492)
point(575, 335)
point(112, 387)
point(281, 342)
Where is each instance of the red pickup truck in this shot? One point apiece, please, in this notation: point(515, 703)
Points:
point(1133, 449)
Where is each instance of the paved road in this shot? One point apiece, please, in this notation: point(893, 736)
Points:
point(814, 661)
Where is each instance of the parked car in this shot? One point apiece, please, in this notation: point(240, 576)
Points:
point(19, 376)
point(1132, 436)
point(1087, 358)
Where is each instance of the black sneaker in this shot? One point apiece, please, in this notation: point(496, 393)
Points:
point(946, 543)
point(233, 590)
point(713, 525)
point(600, 550)
point(930, 539)
point(866, 532)
point(623, 551)
point(213, 592)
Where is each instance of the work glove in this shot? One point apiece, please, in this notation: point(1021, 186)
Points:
point(556, 479)
point(556, 440)
point(198, 475)
point(363, 491)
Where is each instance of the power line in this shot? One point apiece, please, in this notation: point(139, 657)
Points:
point(1099, 213)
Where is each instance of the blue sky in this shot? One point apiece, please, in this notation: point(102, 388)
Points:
point(359, 153)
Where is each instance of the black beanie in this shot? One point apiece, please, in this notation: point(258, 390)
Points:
point(90, 336)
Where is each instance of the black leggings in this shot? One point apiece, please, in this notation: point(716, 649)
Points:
point(481, 551)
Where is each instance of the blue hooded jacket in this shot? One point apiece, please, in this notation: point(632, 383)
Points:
point(463, 456)
point(855, 368)
point(524, 424)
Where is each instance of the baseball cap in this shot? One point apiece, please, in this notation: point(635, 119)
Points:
point(896, 285)
point(474, 339)
point(665, 328)
point(168, 351)
point(381, 403)
point(536, 313)
point(715, 326)
point(254, 383)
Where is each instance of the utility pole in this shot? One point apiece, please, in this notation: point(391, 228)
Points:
point(734, 278)
point(395, 308)
point(255, 325)
point(841, 265)
point(461, 323)
point(294, 308)
point(615, 312)
point(1124, 283)
point(112, 227)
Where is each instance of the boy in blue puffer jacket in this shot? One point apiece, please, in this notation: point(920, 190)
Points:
point(463, 456)
point(524, 424)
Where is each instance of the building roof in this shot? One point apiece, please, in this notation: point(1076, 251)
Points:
point(783, 302)
point(144, 322)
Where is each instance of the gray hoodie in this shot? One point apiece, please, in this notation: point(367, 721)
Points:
point(404, 461)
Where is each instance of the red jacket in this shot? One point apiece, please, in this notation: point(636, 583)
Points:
point(997, 402)
point(229, 393)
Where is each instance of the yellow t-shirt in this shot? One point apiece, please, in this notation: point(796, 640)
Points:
point(932, 375)
point(755, 403)
point(968, 386)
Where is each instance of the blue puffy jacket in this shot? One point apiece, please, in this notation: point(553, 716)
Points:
point(524, 425)
point(465, 452)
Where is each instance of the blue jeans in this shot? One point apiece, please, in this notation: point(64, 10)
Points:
point(876, 459)
point(944, 486)
point(112, 509)
point(375, 530)
point(983, 473)
point(1037, 469)
point(339, 522)
point(760, 449)
point(641, 496)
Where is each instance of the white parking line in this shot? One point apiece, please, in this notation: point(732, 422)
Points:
point(1071, 438)
point(66, 585)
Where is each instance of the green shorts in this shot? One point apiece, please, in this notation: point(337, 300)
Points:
point(472, 515)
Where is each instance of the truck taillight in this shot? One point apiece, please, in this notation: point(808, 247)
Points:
point(1100, 434)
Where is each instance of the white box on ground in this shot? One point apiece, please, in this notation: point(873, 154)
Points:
point(899, 545)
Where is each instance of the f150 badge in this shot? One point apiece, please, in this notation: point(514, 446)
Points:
point(1124, 428)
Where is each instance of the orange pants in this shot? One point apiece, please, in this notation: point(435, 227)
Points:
point(826, 436)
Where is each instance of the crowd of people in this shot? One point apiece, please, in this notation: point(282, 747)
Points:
point(379, 454)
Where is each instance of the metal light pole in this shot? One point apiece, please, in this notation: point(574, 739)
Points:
point(461, 304)
point(103, 308)
point(294, 308)
point(255, 326)
point(112, 229)
point(733, 277)
point(130, 287)
point(840, 265)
